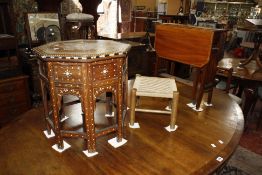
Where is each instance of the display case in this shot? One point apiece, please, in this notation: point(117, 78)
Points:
point(233, 12)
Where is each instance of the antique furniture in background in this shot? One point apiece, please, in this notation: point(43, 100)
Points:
point(14, 94)
point(14, 97)
point(201, 48)
point(7, 26)
point(256, 28)
point(180, 19)
point(157, 88)
point(79, 26)
point(85, 69)
point(140, 61)
point(10, 64)
point(249, 76)
point(42, 28)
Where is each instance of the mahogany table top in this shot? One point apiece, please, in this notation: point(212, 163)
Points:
point(126, 36)
point(149, 150)
point(248, 72)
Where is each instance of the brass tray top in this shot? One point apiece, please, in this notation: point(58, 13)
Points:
point(81, 49)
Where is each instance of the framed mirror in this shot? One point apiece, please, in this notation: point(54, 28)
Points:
point(42, 28)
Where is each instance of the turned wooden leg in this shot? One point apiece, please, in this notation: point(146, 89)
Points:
point(133, 106)
point(174, 109)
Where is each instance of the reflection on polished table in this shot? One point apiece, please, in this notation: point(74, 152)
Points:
point(126, 36)
point(85, 69)
point(250, 71)
point(149, 150)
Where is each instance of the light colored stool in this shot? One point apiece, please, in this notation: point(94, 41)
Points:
point(154, 87)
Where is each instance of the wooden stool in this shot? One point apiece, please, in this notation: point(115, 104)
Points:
point(154, 87)
point(80, 26)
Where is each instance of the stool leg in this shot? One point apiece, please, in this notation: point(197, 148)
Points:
point(174, 109)
point(132, 106)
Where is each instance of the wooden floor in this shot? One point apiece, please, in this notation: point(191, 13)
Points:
point(24, 150)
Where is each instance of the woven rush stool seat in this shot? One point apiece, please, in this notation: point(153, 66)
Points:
point(154, 87)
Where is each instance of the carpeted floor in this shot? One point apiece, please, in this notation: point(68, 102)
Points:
point(247, 159)
point(252, 137)
point(244, 162)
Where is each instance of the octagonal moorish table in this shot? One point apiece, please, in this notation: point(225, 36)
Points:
point(86, 69)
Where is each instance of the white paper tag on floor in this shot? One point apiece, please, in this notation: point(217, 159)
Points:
point(169, 129)
point(168, 108)
point(220, 159)
point(64, 118)
point(52, 134)
point(220, 141)
point(66, 146)
point(191, 105)
point(110, 115)
point(213, 145)
point(198, 110)
point(90, 154)
point(115, 143)
point(208, 104)
point(136, 125)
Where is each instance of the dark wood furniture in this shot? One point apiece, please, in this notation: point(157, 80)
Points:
point(149, 150)
point(249, 72)
point(256, 28)
point(7, 24)
point(79, 29)
point(30, 68)
point(140, 60)
point(10, 63)
point(201, 48)
point(14, 97)
point(181, 19)
point(141, 20)
point(85, 69)
point(248, 76)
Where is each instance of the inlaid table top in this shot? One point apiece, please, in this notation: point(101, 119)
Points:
point(81, 49)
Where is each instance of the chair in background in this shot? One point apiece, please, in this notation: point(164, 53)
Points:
point(225, 80)
point(158, 88)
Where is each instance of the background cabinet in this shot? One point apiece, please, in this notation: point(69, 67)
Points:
point(14, 97)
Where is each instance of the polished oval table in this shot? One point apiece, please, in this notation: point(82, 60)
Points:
point(203, 142)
